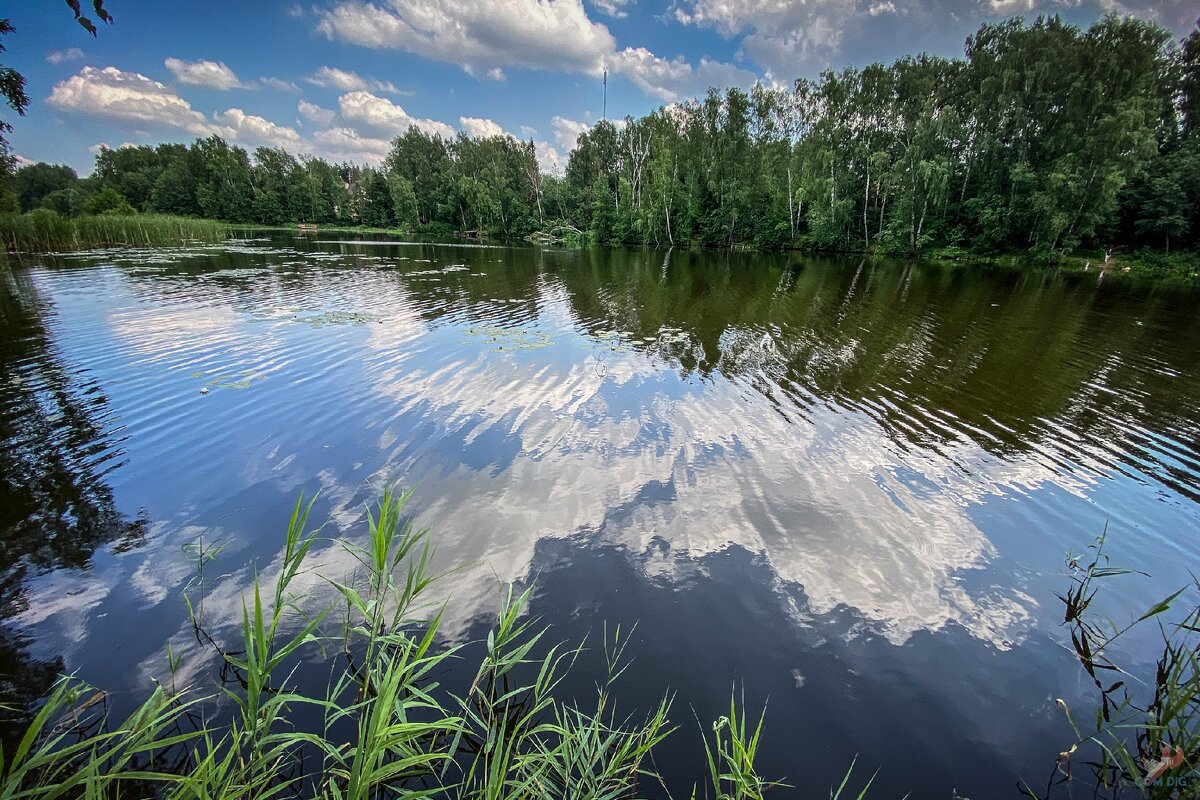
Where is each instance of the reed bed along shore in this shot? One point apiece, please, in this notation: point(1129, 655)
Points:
point(45, 231)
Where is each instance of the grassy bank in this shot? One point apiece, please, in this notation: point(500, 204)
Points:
point(384, 727)
point(44, 231)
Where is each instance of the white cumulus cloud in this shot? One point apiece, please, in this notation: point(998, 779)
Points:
point(785, 38)
point(539, 34)
point(480, 128)
point(127, 96)
point(210, 74)
point(567, 132)
point(132, 98)
point(347, 144)
point(314, 113)
point(485, 38)
point(676, 79)
point(380, 115)
point(63, 56)
point(252, 130)
point(279, 84)
point(1179, 15)
point(549, 159)
point(613, 8)
point(347, 81)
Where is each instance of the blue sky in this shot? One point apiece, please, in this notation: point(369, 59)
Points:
point(339, 78)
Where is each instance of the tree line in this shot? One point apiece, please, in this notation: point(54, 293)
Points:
point(1043, 138)
point(483, 184)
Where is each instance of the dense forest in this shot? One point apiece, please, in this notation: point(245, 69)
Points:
point(1044, 138)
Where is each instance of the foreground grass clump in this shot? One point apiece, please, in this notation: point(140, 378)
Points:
point(383, 727)
point(1143, 739)
point(42, 231)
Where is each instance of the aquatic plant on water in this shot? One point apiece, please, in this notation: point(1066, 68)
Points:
point(1143, 739)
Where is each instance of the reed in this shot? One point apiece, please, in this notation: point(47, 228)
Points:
point(44, 231)
point(1143, 739)
point(387, 728)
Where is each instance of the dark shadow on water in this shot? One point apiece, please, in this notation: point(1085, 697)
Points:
point(55, 507)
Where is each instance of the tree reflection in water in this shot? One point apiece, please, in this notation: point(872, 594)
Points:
point(55, 507)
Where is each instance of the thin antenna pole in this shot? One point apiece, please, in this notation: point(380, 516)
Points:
point(604, 112)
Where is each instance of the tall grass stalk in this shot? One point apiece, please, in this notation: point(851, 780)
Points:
point(384, 725)
point(45, 231)
point(1144, 738)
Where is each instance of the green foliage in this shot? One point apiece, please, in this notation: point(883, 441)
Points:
point(404, 200)
point(9, 204)
point(489, 184)
point(372, 200)
point(1189, 83)
point(12, 87)
point(33, 182)
point(36, 230)
point(107, 201)
point(604, 211)
point(1026, 145)
point(68, 202)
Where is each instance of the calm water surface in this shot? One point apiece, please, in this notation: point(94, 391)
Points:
point(845, 486)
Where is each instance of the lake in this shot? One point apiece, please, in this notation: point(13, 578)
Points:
point(845, 488)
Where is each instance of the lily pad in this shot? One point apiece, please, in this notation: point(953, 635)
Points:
point(337, 318)
point(238, 381)
point(510, 338)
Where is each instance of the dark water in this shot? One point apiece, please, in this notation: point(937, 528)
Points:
point(846, 487)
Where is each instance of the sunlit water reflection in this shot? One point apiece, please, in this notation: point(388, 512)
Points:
point(847, 484)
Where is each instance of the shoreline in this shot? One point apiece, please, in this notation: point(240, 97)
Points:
point(1176, 269)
